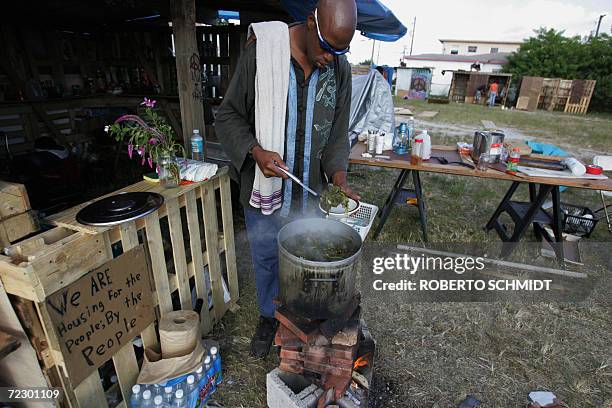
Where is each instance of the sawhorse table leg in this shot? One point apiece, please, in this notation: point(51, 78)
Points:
point(392, 198)
point(524, 214)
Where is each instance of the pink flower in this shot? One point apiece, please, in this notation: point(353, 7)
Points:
point(149, 103)
point(143, 161)
point(153, 141)
point(141, 151)
point(130, 150)
point(150, 162)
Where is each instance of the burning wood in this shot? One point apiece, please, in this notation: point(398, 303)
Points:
point(360, 362)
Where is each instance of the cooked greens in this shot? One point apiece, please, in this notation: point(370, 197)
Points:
point(319, 247)
point(332, 197)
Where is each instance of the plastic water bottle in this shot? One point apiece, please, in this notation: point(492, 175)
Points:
point(179, 400)
point(168, 393)
point(216, 363)
point(210, 373)
point(199, 374)
point(192, 387)
point(147, 400)
point(197, 146)
point(410, 125)
point(135, 397)
point(191, 384)
point(158, 401)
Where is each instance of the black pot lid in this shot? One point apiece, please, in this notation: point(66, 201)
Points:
point(119, 208)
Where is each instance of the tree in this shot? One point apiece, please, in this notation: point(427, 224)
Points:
point(550, 54)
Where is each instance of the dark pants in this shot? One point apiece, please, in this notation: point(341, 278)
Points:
point(262, 231)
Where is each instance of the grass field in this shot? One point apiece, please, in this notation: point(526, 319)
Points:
point(433, 354)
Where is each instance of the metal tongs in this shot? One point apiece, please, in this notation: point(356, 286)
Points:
point(297, 180)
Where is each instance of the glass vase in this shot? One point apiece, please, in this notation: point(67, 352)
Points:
point(168, 170)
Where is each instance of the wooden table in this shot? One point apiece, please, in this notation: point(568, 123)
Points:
point(522, 214)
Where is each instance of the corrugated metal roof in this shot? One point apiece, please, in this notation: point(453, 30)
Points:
point(500, 58)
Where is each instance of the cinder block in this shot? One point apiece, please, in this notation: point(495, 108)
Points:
point(288, 390)
point(345, 402)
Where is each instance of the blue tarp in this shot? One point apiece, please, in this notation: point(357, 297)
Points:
point(374, 19)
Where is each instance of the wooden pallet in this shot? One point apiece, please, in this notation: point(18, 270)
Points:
point(579, 104)
point(48, 262)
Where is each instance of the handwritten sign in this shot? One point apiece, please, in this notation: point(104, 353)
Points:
point(101, 312)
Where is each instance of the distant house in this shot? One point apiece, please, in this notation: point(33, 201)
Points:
point(442, 65)
point(474, 47)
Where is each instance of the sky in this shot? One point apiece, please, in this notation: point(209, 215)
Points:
point(508, 20)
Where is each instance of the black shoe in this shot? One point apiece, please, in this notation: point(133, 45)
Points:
point(264, 335)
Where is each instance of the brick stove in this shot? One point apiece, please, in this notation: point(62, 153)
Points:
point(336, 355)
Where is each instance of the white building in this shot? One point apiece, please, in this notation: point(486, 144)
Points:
point(474, 47)
point(439, 63)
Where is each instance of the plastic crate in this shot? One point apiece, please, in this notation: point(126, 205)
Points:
point(362, 220)
point(575, 220)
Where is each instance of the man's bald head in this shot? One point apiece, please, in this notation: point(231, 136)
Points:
point(337, 21)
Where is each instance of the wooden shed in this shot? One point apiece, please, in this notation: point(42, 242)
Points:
point(65, 63)
point(465, 83)
point(67, 68)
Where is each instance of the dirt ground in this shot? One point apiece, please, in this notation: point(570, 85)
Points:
point(434, 354)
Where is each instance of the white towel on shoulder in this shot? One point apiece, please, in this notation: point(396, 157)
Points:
point(273, 58)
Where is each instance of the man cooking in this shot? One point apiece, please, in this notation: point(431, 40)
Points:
point(313, 144)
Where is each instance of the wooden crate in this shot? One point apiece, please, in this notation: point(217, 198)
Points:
point(16, 218)
point(17, 227)
point(13, 199)
point(48, 262)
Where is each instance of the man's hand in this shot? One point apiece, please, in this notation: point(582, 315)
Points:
point(268, 161)
point(339, 179)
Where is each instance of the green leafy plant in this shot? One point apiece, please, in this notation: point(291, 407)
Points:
point(150, 135)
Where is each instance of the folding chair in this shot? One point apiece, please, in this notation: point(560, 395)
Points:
point(606, 163)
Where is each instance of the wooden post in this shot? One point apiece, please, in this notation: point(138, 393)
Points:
point(188, 68)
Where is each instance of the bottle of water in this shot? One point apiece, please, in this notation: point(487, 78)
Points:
point(199, 374)
point(197, 146)
point(411, 130)
point(192, 388)
point(179, 400)
point(158, 401)
point(216, 363)
point(168, 393)
point(147, 400)
point(135, 397)
point(209, 373)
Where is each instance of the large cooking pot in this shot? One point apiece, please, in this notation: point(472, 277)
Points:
point(317, 289)
point(488, 142)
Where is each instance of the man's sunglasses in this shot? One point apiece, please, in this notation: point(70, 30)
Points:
point(324, 44)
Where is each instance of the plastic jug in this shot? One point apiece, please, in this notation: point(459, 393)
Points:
point(425, 152)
